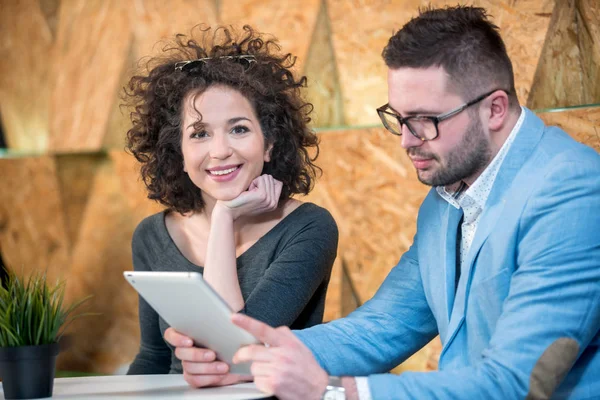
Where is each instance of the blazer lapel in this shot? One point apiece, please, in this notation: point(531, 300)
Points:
point(452, 219)
point(527, 138)
point(520, 151)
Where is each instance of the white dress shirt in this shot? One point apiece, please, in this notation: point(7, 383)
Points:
point(474, 198)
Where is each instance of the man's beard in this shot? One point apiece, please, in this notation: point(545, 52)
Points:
point(470, 156)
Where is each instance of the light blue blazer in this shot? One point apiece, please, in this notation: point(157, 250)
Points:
point(525, 320)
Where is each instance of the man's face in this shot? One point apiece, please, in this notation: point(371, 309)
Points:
point(463, 148)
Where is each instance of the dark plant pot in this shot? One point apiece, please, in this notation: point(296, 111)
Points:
point(28, 371)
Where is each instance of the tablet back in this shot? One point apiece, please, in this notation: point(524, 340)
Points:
point(188, 304)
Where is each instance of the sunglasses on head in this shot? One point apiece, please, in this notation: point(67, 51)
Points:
point(185, 66)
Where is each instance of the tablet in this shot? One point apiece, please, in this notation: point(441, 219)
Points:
point(189, 305)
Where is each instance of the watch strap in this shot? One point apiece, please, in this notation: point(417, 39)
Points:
point(335, 385)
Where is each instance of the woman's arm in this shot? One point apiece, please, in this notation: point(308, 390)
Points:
point(287, 287)
point(220, 268)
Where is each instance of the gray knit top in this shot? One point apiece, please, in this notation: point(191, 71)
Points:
point(283, 277)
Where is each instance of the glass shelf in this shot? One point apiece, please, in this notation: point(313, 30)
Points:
point(9, 153)
point(568, 108)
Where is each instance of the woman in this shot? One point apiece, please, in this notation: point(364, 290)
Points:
point(220, 129)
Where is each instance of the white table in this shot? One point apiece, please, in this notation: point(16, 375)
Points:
point(133, 387)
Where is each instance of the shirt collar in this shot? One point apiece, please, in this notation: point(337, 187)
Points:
point(478, 192)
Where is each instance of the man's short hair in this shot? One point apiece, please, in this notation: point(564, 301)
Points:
point(460, 39)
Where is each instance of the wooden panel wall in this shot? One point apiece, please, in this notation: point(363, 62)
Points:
point(88, 56)
point(152, 23)
point(371, 189)
point(73, 207)
point(62, 63)
point(523, 25)
point(25, 51)
point(323, 90)
point(98, 259)
point(582, 123)
point(33, 232)
point(292, 21)
point(588, 18)
point(361, 30)
point(568, 72)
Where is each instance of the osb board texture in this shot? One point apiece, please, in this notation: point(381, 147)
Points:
point(50, 10)
point(25, 46)
point(568, 72)
point(560, 59)
point(75, 174)
point(292, 22)
point(154, 23)
point(323, 90)
point(33, 236)
point(131, 185)
point(370, 187)
point(349, 300)
point(582, 124)
point(523, 25)
point(335, 294)
point(588, 21)
point(101, 253)
point(73, 56)
point(118, 119)
point(91, 46)
point(425, 359)
point(361, 29)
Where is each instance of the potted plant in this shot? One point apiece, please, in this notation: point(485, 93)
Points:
point(32, 322)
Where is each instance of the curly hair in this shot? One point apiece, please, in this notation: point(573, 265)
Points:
point(156, 100)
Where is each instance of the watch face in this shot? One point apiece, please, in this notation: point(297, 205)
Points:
point(334, 394)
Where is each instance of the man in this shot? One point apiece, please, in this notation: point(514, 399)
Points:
point(505, 264)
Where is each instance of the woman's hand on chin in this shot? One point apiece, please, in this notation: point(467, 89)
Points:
point(261, 197)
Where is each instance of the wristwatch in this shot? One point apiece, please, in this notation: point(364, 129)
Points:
point(335, 390)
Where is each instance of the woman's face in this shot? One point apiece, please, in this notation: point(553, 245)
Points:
point(226, 151)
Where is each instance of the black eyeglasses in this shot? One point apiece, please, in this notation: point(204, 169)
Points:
point(422, 126)
point(186, 66)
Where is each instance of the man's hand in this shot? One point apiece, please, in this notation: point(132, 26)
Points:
point(200, 367)
point(262, 196)
point(284, 366)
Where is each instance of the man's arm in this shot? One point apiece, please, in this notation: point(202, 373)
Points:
point(376, 337)
point(549, 318)
point(552, 311)
point(382, 333)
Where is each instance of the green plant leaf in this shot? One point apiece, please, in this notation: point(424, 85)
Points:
point(40, 328)
point(33, 312)
point(11, 338)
